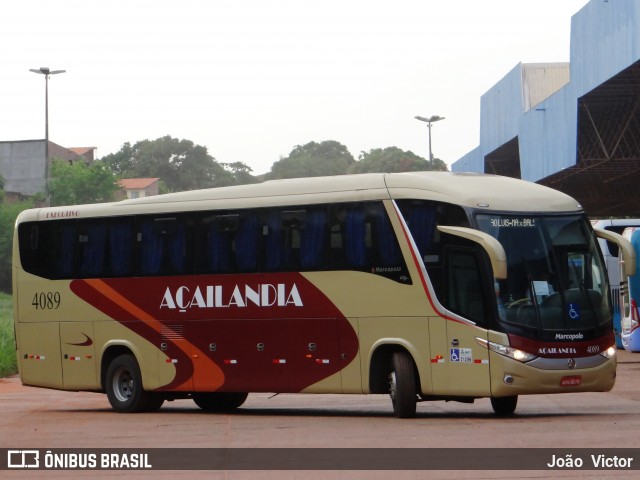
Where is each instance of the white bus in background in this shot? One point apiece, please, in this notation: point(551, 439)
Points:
point(629, 317)
point(610, 254)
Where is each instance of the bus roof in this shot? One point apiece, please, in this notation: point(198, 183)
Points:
point(475, 190)
point(467, 189)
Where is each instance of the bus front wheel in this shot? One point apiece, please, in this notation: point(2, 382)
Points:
point(402, 385)
point(504, 406)
point(124, 387)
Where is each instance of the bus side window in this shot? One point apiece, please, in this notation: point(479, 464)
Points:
point(422, 218)
point(48, 249)
point(121, 247)
point(92, 241)
point(219, 240)
point(463, 284)
point(63, 236)
point(313, 241)
point(387, 249)
point(162, 246)
point(231, 243)
point(31, 237)
point(150, 248)
point(369, 242)
point(273, 241)
point(245, 243)
point(292, 223)
point(296, 239)
point(356, 238)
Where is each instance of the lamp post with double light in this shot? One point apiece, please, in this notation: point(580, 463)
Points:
point(429, 121)
point(46, 71)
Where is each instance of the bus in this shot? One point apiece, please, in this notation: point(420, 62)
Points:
point(611, 260)
point(422, 286)
point(630, 297)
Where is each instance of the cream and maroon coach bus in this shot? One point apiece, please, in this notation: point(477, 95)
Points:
point(423, 286)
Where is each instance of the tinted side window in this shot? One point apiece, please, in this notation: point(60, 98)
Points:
point(350, 236)
point(48, 249)
point(464, 294)
point(164, 245)
point(364, 234)
point(295, 239)
point(228, 242)
point(422, 218)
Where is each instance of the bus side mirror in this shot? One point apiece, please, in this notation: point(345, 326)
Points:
point(493, 247)
point(628, 253)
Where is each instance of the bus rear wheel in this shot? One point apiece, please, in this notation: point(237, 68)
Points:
point(124, 387)
point(219, 401)
point(402, 385)
point(504, 406)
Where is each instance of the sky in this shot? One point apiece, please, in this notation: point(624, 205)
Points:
point(252, 79)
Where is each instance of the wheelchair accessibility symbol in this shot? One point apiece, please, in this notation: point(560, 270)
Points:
point(574, 311)
point(461, 355)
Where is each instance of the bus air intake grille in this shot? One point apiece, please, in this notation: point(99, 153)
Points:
point(172, 332)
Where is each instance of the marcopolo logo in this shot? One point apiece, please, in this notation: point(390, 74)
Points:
point(184, 298)
point(569, 336)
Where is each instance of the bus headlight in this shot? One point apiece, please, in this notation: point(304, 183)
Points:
point(609, 352)
point(510, 352)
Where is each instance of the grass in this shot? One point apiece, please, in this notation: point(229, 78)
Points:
point(8, 364)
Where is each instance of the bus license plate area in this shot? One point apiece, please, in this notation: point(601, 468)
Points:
point(570, 381)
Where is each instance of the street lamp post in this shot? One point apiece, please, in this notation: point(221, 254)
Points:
point(429, 121)
point(46, 72)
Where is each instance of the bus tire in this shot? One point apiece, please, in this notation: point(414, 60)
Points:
point(402, 385)
point(504, 406)
point(219, 401)
point(124, 387)
point(154, 402)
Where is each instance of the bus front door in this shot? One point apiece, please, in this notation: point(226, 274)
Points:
point(462, 364)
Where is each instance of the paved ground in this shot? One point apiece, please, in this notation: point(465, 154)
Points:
point(49, 419)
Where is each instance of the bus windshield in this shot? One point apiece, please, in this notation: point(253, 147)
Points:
point(555, 282)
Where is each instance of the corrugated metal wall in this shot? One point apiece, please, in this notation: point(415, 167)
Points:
point(541, 80)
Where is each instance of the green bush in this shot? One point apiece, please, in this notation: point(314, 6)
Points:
point(8, 214)
point(8, 364)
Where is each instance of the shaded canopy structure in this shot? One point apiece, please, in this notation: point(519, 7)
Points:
point(606, 177)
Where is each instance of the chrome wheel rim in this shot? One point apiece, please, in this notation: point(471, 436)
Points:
point(123, 384)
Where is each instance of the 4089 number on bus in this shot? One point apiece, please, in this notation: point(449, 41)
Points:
point(46, 300)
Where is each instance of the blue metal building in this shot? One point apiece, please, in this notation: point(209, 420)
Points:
point(573, 126)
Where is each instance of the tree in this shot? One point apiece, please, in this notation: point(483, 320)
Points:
point(241, 173)
point(313, 160)
point(393, 159)
point(180, 164)
point(8, 214)
point(121, 162)
point(76, 183)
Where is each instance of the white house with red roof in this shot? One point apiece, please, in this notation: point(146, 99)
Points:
point(138, 187)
